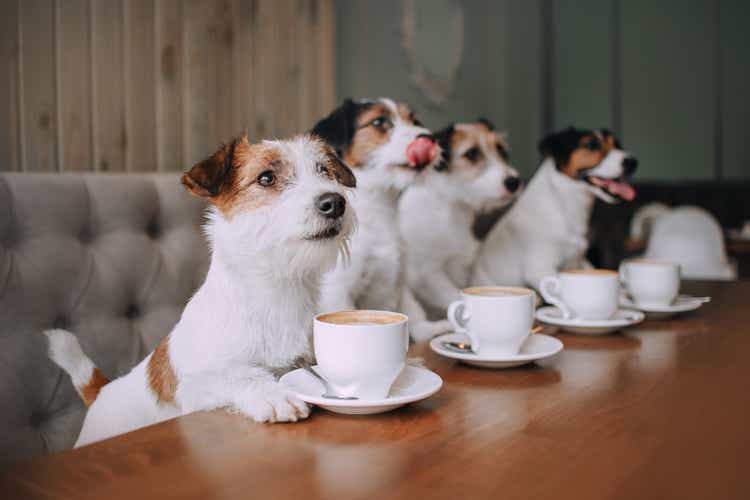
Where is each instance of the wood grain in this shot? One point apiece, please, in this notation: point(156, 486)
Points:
point(38, 80)
point(140, 85)
point(110, 129)
point(10, 154)
point(169, 85)
point(145, 85)
point(657, 411)
point(73, 51)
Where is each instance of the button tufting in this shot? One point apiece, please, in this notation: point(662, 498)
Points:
point(85, 236)
point(36, 419)
point(132, 312)
point(62, 322)
point(153, 229)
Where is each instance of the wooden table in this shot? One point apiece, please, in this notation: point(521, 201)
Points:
point(660, 411)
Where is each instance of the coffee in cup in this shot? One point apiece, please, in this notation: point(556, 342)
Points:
point(583, 293)
point(651, 282)
point(360, 352)
point(497, 319)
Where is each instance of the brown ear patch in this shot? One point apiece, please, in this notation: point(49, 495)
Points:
point(90, 391)
point(338, 170)
point(162, 378)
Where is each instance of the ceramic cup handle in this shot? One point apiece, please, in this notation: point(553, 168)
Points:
point(550, 287)
point(459, 318)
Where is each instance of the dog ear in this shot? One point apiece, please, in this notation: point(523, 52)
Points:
point(206, 178)
point(560, 145)
point(610, 136)
point(443, 138)
point(337, 129)
point(341, 171)
point(484, 121)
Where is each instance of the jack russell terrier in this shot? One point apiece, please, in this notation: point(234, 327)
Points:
point(546, 230)
point(278, 220)
point(388, 148)
point(436, 217)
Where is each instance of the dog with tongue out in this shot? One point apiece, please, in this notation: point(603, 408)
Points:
point(546, 230)
point(388, 149)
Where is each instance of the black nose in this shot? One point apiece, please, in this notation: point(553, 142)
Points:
point(629, 164)
point(427, 136)
point(331, 205)
point(512, 183)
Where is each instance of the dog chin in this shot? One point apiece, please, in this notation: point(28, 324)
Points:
point(492, 204)
point(329, 232)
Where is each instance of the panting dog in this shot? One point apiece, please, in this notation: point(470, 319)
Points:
point(388, 149)
point(278, 219)
point(546, 230)
point(437, 216)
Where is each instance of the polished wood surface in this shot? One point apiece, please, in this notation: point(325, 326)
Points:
point(658, 411)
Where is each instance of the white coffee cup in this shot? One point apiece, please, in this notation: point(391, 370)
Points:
point(361, 353)
point(497, 319)
point(583, 293)
point(651, 282)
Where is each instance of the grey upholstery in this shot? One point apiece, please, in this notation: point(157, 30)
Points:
point(113, 258)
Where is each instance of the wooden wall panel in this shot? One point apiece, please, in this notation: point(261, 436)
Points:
point(74, 84)
point(169, 85)
point(108, 51)
point(209, 42)
point(38, 104)
point(144, 85)
point(10, 154)
point(140, 84)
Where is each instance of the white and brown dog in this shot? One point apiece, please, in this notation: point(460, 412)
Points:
point(436, 217)
point(278, 219)
point(547, 229)
point(387, 148)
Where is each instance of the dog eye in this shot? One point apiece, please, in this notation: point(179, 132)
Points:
point(267, 178)
point(416, 121)
point(473, 154)
point(593, 145)
point(381, 122)
point(322, 169)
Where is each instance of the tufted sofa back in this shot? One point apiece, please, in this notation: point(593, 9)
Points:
point(113, 258)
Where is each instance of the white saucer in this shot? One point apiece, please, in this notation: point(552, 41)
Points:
point(415, 383)
point(622, 318)
point(683, 303)
point(537, 346)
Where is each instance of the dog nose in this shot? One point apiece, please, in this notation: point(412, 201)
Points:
point(330, 205)
point(512, 183)
point(629, 164)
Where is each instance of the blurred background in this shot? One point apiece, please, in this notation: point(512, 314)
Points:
point(155, 85)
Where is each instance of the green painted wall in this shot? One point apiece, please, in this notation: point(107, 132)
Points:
point(499, 77)
point(670, 76)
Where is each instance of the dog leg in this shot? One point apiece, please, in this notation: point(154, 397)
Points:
point(252, 391)
point(437, 290)
point(421, 328)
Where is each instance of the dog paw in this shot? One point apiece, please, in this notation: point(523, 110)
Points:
point(270, 402)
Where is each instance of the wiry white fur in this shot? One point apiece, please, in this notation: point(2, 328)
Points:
point(66, 352)
point(546, 230)
point(375, 278)
point(251, 318)
point(436, 220)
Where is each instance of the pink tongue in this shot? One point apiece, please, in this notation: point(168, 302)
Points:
point(421, 151)
point(621, 189)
